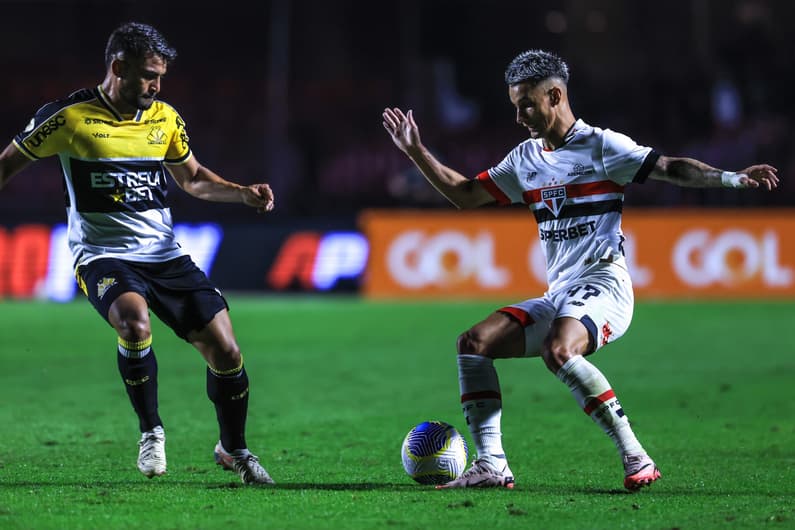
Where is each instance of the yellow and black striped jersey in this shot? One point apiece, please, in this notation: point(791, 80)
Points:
point(114, 173)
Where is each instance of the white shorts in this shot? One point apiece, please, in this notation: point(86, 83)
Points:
point(602, 300)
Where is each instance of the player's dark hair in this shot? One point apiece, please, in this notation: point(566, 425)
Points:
point(136, 40)
point(536, 66)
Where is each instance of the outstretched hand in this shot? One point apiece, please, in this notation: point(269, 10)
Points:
point(259, 196)
point(759, 175)
point(402, 128)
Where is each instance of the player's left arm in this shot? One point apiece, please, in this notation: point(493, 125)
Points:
point(204, 184)
point(696, 174)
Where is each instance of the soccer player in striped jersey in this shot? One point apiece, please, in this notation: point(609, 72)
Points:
point(571, 176)
point(116, 143)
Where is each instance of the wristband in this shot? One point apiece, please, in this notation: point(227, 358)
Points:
point(731, 180)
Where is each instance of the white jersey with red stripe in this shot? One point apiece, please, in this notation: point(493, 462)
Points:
point(576, 193)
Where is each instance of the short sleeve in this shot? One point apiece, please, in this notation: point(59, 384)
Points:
point(501, 181)
point(48, 133)
point(625, 161)
point(179, 146)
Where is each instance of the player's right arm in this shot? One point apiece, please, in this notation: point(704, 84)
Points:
point(48, 133)
point(12, 161)
point(461, 191)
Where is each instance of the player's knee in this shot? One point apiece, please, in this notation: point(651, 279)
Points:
point(226, 357)
point(134, 328)
point(555, 354)
point(232, 354)
point(471, 343)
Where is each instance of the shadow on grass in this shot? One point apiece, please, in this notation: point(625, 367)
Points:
point(362, 486)
point(531, 489)
point(165, 483)
point(320, 486)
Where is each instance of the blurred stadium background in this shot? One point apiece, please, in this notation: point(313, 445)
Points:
point(291, 92)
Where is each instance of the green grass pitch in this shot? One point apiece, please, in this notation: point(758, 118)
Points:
point(337, 383)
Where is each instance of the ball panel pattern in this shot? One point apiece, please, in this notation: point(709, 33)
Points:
point(434, 452)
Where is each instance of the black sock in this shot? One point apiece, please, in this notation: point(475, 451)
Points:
point(140, 380)
point(229, 393)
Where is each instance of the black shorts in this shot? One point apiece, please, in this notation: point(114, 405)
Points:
point(177, 291)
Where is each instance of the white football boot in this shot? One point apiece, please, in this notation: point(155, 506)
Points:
point(482, 475)
point(152, 452)
point(243, 463)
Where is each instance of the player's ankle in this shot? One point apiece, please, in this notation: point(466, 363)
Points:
point(497, 462)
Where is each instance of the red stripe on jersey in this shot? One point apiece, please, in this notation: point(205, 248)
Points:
point(524, 318)
point(492, 188)
point(578, 190)
point(486, 394)
point(598, 400)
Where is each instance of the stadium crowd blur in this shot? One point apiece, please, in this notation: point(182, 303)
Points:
point(291, 91)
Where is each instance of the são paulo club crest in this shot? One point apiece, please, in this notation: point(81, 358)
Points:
point(553, 198)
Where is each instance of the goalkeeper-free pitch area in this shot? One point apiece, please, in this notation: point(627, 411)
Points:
point(337, 384)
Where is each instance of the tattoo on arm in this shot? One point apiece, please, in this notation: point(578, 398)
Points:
point(689, 172)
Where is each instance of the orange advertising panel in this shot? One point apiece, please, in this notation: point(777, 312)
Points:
point(496, 254)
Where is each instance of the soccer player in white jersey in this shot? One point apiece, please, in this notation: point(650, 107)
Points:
point(571, 175)
point(116, 143)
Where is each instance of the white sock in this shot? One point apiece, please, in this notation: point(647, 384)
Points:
point(594, 395)
point(482, 405)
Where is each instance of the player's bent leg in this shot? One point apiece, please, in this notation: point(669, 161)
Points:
point(498, 336)
point(227, 380)
point(568, 340)
point(129, 315)
point(228, 389)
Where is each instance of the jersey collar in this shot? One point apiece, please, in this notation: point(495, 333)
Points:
point(576, 127)
point(105, 100)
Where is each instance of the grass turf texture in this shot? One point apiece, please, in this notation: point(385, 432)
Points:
point(337, 383)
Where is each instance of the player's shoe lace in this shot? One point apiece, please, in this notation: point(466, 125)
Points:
point(244, 464)
point(639, 471)
point(482, 475)
point(152, 452)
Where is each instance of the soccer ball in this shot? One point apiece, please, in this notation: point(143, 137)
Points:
point(434, 452)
